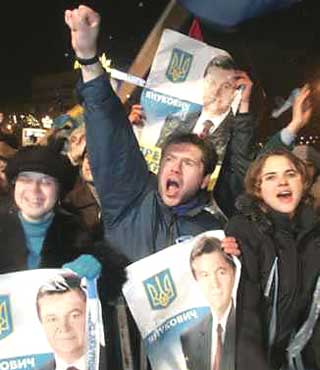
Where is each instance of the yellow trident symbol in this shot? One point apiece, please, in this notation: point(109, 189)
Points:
point(159, 294)
point(180, 65)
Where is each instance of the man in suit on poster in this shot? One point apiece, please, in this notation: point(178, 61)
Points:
point(210, 343)
point(221, 80)
point(61, 307)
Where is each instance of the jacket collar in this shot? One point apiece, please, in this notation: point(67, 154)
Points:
point(304, 220)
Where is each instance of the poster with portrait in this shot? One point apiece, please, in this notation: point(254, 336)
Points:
point(175, 92)
point(49, 319)
point(179, 296)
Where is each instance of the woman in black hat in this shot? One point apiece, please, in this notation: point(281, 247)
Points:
point(36, 233)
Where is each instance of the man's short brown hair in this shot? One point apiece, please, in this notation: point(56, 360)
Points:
point(209, 154)
point(208, 245)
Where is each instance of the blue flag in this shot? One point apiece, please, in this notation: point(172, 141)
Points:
point(229, 13)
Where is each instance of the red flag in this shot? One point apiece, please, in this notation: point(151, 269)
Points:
point(195, 30)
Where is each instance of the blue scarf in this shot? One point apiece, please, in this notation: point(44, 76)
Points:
point(35, 233)
point(183, 209)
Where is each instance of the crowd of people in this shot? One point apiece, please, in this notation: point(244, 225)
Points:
point(97, 207)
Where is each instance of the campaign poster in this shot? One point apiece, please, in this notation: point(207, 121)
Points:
point(179, 297)
point(49, 318)
point(175, 92)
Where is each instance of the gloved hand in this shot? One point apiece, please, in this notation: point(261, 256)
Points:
point(85, 265)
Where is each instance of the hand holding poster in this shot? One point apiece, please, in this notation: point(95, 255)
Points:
point(183, 299)
point(44, 325)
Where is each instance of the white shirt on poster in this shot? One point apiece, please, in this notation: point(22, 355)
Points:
point(80, 364)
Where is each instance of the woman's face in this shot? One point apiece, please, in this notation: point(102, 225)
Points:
point(281, 185)
point(35, 194)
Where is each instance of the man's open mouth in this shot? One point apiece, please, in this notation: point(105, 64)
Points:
point(172, 186)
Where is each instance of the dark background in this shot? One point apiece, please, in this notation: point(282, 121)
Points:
point(279, 50)
point(35, 40)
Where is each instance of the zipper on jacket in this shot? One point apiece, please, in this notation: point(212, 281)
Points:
point(170, 238)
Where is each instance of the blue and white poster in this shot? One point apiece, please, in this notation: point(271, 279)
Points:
point(179, 97)
point(179, 296)
point(49, 321)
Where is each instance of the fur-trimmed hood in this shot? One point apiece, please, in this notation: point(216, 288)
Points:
point(269, 221)
point(248, 206)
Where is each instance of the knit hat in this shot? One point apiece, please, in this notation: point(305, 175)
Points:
point(6, 151)
point(36, 158)
point(307, 153)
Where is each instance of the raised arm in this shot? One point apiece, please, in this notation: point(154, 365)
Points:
point(301, 113)
point(84, 26)
point(119, 169)
point(239, 152)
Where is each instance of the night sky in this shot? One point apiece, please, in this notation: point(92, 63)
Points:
point(35, 40)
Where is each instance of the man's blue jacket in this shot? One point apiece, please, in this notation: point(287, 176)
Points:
point(135, 218)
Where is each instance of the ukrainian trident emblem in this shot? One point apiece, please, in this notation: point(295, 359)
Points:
point(5, 317)
point(179, 65)
point(160, 290)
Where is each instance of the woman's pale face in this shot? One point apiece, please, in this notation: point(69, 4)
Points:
point(281, 185)
point(35, 195)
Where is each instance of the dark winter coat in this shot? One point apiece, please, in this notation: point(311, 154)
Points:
point(134, 215)
point(81, 202)
point(263, 236)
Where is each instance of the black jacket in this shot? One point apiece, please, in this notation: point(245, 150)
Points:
point(263, 236)
point(81, 202)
